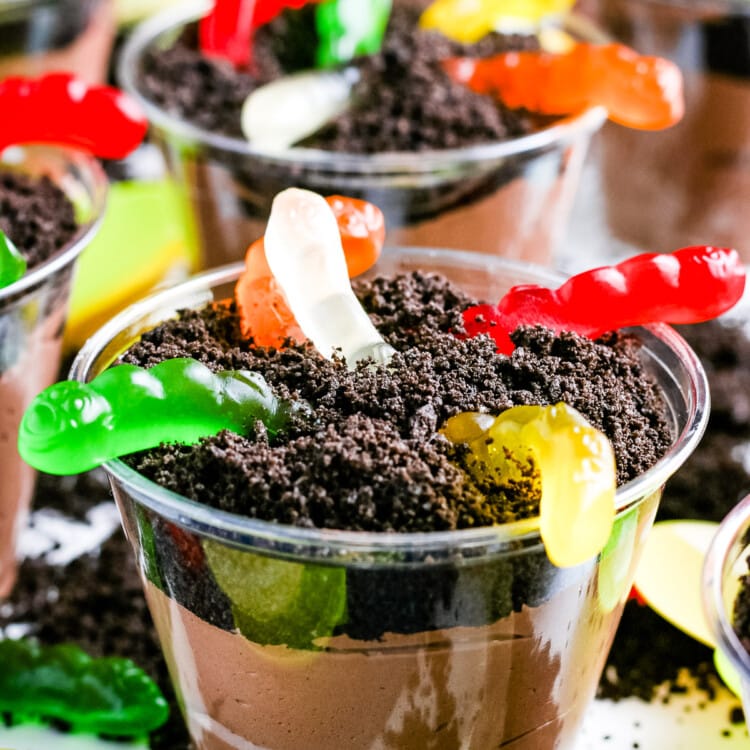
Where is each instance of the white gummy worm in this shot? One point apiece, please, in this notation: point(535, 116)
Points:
point(281, 113)
point(305, 254)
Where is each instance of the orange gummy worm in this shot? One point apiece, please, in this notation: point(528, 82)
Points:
point(638, 91)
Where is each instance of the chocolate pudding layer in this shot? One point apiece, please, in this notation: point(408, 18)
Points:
point(523, 681)
point(448, 167)
point(278, 643)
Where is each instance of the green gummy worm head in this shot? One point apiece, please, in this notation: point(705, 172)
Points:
point(64, 428)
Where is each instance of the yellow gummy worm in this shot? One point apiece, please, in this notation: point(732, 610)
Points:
point(576, 466)
point(467, 21)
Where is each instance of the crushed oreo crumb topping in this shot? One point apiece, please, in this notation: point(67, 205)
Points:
point(372, 457)
point(403, 101)
point(36, 215)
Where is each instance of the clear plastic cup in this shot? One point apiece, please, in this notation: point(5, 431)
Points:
point(282, 637)
point(32, 317)
point(688, 184)
point(41, 36)
point(509, 198)
point(726, 561)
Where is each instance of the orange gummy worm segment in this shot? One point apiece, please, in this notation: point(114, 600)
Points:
point(362, 227)
point(638, 91)
point(264, 313)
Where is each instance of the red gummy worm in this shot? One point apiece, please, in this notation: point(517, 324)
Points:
point(64, 110)
point(690, 285)
point(227, 31)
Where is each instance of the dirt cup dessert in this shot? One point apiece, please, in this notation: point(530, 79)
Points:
point(413, 520)
point(687, 184)
point(42, 36)
point(347, 97)
point(52, 198)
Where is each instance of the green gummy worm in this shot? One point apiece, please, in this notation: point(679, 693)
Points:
point(109, 696)
point(12, 263)
point(349, 28)
point(72, 427)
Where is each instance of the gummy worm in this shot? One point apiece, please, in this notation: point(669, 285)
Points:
point(349, 28)
point(305, 254)
point(12, 263)
point(109, 696)
point(637, 91)
point(468, 21)
point(576, 466)
point(71, 427)
point(227, 30)
point(690, 285)
point(265, 314)
point(64, 110)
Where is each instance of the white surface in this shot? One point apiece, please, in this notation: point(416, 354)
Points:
point(687, 722)
point(40, 738)
point(61, 540)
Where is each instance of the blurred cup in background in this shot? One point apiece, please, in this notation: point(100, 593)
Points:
point(39, 36)
point(689, 184)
